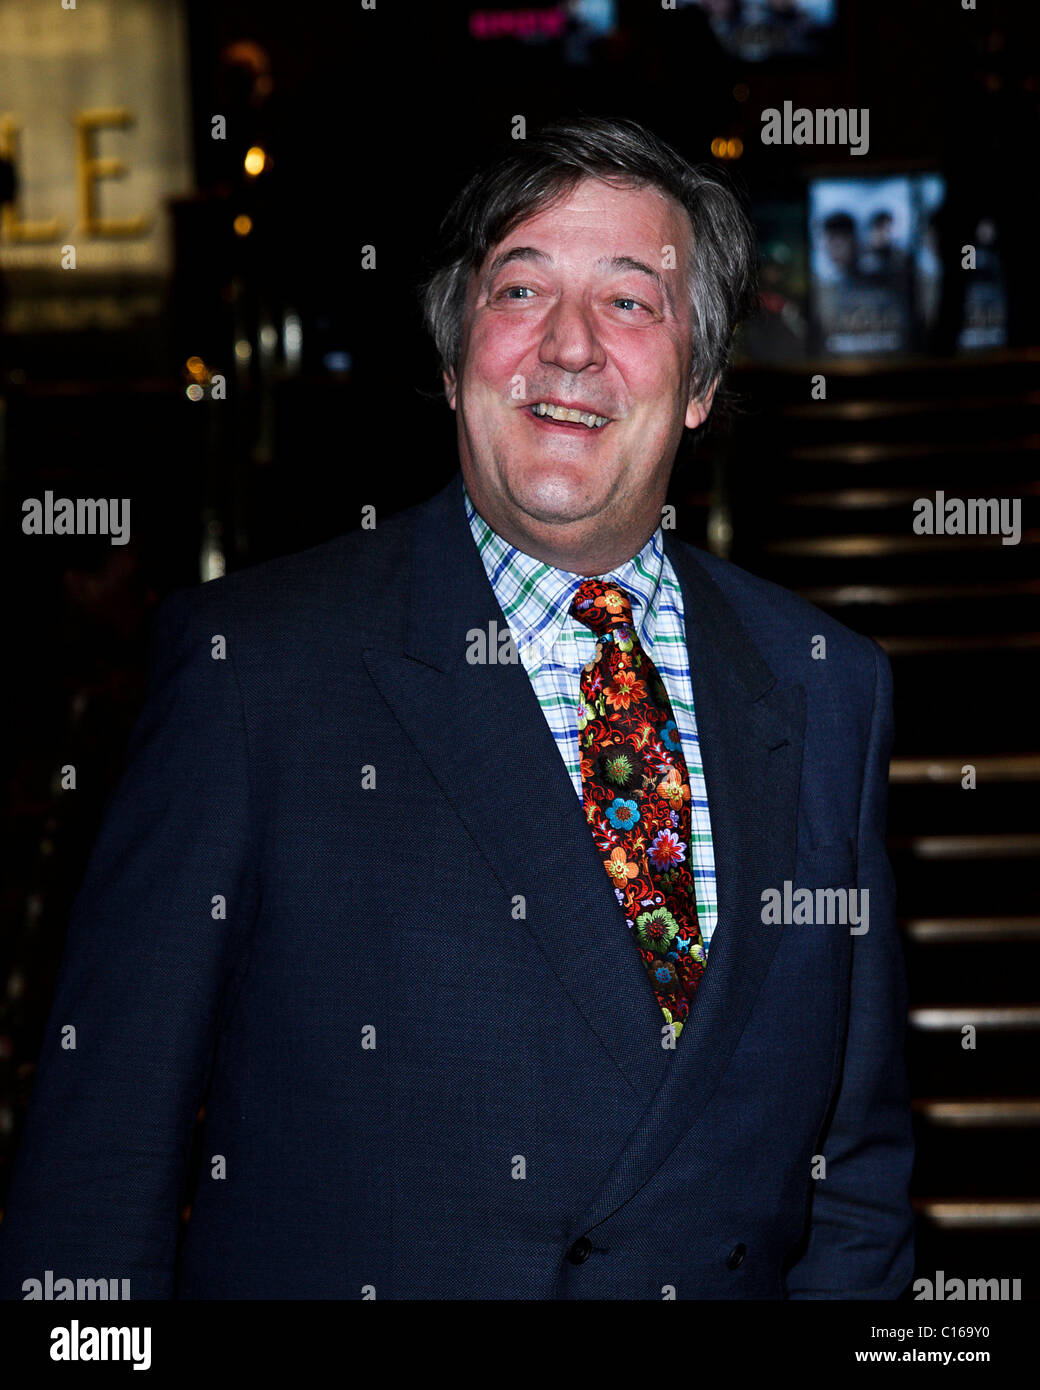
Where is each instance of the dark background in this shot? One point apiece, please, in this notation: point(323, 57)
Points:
point(371, 120)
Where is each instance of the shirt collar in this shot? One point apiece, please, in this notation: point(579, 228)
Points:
point(535, 596)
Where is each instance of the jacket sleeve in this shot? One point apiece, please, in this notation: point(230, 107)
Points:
point(149, 956)
point(860, 1243)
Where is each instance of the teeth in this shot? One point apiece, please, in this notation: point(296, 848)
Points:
point(574, 417)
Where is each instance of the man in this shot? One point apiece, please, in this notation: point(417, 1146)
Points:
point(432, 932)
point(840, 265)
point(883, 259)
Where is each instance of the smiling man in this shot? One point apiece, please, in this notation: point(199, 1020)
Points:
point(466, 957)
point(575, 373)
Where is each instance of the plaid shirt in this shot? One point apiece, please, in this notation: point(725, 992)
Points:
point(553, 648)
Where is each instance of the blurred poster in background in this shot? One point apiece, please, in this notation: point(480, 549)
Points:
point(877, 270)
point(862, 238)
point(755, 31)
point(778, 332)
point(984, 323)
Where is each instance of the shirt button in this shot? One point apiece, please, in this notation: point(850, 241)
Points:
point(579, 1251)
point(736, 1256)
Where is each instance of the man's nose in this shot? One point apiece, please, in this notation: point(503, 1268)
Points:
point(570, 340)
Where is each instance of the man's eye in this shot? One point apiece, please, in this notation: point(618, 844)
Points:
point(515, 291)
point(629, 303)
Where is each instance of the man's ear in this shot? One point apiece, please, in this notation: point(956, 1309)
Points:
point(699, 406)
point(449, 387)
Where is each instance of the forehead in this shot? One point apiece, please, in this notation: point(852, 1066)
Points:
point(603, 218)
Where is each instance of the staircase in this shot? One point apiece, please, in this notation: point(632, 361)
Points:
point(818, 495)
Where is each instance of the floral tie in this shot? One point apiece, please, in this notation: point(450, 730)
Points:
point(636, 794)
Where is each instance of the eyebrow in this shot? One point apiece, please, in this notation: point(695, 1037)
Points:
point(515, 253)
point(532, 253)
point(630, 263)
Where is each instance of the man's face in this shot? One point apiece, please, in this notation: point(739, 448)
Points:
point(881, 234)
point(841, 247)
point(576, 308)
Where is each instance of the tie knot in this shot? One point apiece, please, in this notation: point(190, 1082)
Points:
point(601, 605)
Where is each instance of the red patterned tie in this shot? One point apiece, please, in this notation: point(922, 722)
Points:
point(636, 793)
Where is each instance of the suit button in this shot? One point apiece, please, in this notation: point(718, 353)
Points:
point(579, 1251)
point(736, 1256)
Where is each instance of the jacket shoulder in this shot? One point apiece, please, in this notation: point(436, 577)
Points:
point(342, 581)
point(786, 628)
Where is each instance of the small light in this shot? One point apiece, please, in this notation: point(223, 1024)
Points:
point(212, 561)
point(734, 148)
point(242, 224)
point(196, 366)
point(195, 392)
point(718, 148)
point(292, 340)
point(254, 161)
point(268, 337)
point(243, 350)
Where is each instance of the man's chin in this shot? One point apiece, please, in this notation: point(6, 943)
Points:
point(558, 503)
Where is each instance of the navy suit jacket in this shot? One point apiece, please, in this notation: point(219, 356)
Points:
point(346, 900)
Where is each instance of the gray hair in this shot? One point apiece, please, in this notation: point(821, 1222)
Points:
point(550, 164)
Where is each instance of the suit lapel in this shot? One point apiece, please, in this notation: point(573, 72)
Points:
point(482, 733)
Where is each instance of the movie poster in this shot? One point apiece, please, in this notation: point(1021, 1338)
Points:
point(862, 237)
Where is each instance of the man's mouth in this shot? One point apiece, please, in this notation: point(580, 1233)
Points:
point(568, 416)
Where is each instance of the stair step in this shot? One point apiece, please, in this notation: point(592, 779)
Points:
point(1006, 846)
point(1012, 767)
point(946, 1018)
point(859, 547)
point(922, 645)
point(883, 498)
point(1008, 1112)
point(869, 452)
point(892, 408)
point(945, 930)
point(980, 1214)
point(879, 595)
